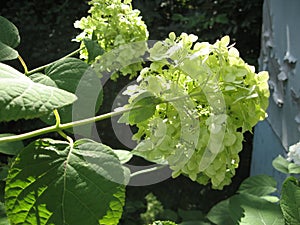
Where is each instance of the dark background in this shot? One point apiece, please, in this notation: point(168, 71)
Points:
point(46, 30)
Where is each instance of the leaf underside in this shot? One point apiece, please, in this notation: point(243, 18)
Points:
point(52, 183)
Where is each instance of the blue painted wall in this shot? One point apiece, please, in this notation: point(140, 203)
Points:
point(280, 50)
point(266, 147)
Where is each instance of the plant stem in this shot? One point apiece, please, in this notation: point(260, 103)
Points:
point(59, 127)
point(57, 118)
point(55, 128)
point(147, 170)
point(69, 139)
point(60, 132)
point(30, 134)
point(49, 64)
point(23, 64)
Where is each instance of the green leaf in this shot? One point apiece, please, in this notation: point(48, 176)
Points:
point(75, 76)
point(10, 148)
point(7, 53)
point(290, 201)
point(20, 97)
point(257, 210)
point(9, 33)
point(281, 164)
point(220, 214)
point(294, 168)
point(3, 217)
point(260, 185)
point(42, 79)
point(9, 39)
point(51, 182)
point(246, 209)
point(273, 199)
point(123, 155)
point(93, 49)
point(147, 101)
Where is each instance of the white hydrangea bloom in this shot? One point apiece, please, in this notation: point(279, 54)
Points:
point(294, 153)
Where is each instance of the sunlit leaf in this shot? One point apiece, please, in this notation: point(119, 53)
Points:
point(9, 39)
point(20, 97)
point(51, 182)
point(294, 168)
point(75, 76)
point(257, 210)
point(281, 164)
point(260, 185)
point(246, 209)
point(290, 201)
point(123, 155)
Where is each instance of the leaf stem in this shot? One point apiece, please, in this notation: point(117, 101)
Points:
point(60, 132)
point(59, 127)
point(55, 128)
point(69, 139)
point(23, 64)
point(152, 169)
point(57, 118)
point(49, 64)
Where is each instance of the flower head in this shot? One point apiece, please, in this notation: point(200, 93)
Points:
point(294, 153)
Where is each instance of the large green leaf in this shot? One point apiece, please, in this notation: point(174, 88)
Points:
point(75, 76)
point(20, 97)
point(51, 182)
point(246, 209)
point(42, 79)
point(290, 201)
point(221, 214)
point(257, 211)
point(9, 39)
point(260, 185)
point(9, 33)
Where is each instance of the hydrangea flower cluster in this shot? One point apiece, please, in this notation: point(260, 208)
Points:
point(294, 153)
